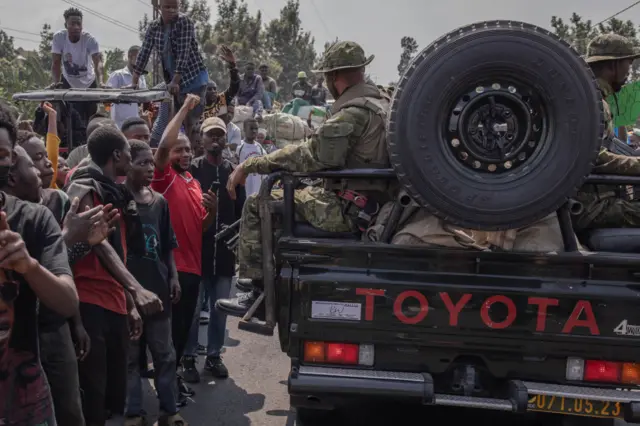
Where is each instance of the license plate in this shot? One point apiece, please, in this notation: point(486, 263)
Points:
point(576, 407)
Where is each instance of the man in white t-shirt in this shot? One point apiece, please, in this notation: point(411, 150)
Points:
point(122, 78)
point(77, 62)
point(251, 148)
point(234, 136)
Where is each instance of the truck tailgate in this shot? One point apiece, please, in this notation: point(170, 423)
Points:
point(559, 304)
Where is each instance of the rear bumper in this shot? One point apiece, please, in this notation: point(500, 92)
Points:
point(312, 382)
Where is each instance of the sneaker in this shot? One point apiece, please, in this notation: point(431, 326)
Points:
point(216, 367)
point(204, 317)
point(189, 372)
point(202, 350)
point(239, 305)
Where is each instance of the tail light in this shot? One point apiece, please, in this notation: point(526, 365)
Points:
point(338, 353)
point(603, 371)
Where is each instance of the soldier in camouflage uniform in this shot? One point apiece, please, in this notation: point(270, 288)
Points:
point(354, 137)
point(610, 57)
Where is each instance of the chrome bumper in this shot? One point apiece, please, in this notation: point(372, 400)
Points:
point(314, 381)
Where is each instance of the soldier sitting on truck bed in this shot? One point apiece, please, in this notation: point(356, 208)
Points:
point(605, 206)
point(354, 137)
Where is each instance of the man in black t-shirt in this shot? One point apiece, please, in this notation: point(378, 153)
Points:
point(156, 271)
point(218, 262)
point(34, 256)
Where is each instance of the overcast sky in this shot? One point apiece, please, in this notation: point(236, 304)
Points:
point(377, 28)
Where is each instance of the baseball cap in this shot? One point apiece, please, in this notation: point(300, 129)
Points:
point(213, 123)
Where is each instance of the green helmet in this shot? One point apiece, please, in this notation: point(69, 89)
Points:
point(610, 47)
point(343, 55)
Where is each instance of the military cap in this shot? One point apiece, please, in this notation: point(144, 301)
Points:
point(343, 55)
point(610, 47)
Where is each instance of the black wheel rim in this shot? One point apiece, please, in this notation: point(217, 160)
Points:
point(496, 128)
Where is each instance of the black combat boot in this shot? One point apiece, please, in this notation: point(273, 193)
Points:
point(237, 306)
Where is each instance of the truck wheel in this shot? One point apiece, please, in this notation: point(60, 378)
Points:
point(495, 125)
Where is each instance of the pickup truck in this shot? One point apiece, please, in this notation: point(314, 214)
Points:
point(536, 334)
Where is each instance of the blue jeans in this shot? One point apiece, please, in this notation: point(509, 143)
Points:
point(218, 288)
point(267, 100)
point(257, 108)
point(204, 299)
point(158, 335)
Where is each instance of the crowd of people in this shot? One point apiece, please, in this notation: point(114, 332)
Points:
point(110, 254)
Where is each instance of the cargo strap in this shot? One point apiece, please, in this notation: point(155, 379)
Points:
point(359, 207)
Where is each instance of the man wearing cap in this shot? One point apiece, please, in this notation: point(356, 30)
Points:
point(302, 89)
point(218, 262)
point(354, 137)
point(610, 57)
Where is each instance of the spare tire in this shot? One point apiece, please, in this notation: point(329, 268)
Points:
point(495, 125)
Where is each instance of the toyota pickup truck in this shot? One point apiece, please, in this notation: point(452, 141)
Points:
point(492, 127)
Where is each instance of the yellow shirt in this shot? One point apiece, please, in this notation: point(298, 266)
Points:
point(53, 144)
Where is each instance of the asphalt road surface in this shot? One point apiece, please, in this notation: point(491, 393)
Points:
point(256, 394)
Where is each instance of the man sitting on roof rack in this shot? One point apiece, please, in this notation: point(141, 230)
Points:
point(172, 36)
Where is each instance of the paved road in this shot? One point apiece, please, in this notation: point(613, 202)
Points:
point(255, 394)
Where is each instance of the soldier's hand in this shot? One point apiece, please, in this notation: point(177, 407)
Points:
point(238, 177)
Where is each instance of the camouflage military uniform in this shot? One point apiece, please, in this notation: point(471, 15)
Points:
point(606, 205)
point(338, 143)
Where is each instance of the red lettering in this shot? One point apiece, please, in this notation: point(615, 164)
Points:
point(543, 303)
point(424, 307)
point(511, 312)
point(454, 310)
point(369, 294)
point(575, 321)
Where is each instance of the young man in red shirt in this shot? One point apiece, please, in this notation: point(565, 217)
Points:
point(192, 212)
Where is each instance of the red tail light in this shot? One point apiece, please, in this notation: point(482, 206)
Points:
point(342, 353)
point(602, 371)
point(338, 353)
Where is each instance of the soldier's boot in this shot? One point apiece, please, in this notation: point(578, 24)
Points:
point(238, 306)
point(244, 284)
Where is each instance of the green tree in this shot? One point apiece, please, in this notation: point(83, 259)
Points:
point(409, 48)
point(44, 49)
point(7, 48)
point(113, 60)
point(244, 33)
point(21, 74)
point(577, 32)
point(291, 46)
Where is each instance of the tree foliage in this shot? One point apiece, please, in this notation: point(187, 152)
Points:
point(44, 49)
point(579, 33)
point(113, 60)
point(409, 48)
point(7, 49)
point(290, 45)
